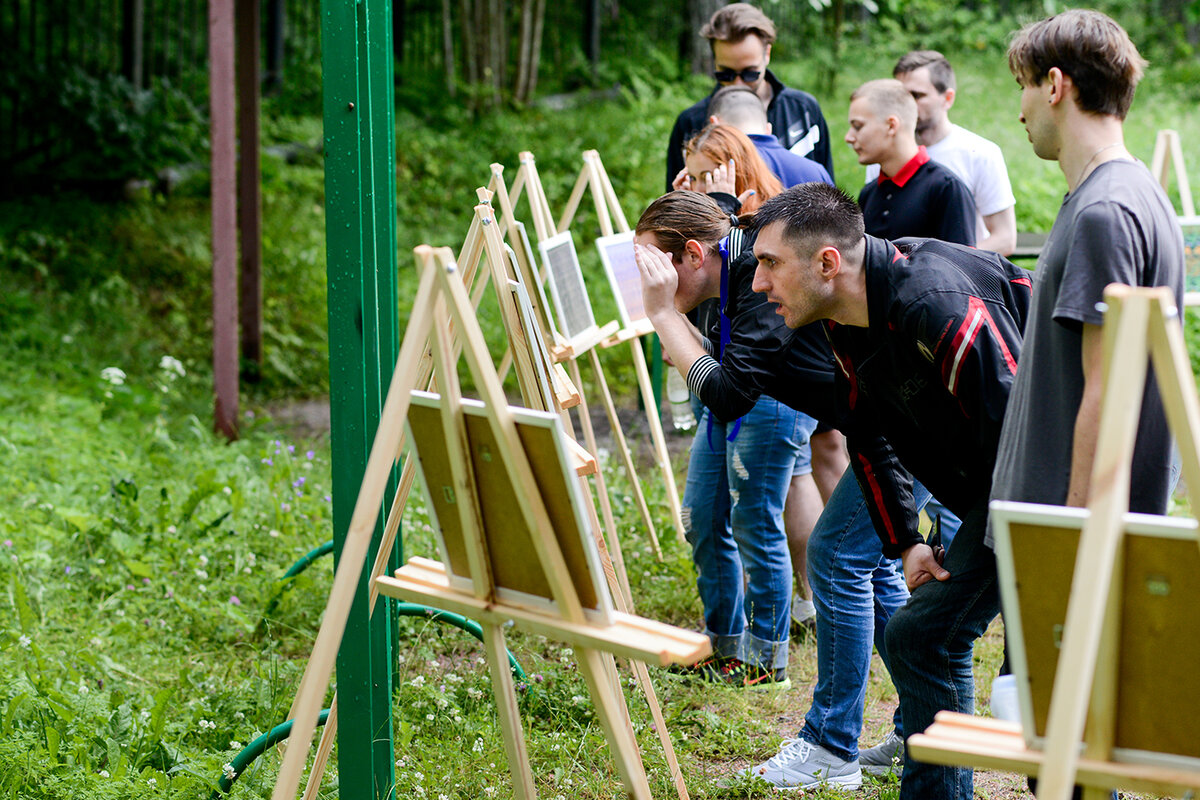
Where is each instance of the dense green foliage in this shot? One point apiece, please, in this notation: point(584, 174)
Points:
point(138, 553)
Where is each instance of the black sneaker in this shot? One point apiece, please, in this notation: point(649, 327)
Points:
point(698, 670)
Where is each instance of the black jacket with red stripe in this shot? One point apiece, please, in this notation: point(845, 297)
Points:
point(923, 388)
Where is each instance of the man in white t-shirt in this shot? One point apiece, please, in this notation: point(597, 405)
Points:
point(929, 77)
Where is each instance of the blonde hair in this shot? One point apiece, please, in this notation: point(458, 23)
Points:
point(888, 98)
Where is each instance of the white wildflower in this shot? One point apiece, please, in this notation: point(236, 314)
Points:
point(24, 641)
point(172, 367)
point(113, 375)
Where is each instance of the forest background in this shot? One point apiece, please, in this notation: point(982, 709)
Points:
point(145, 634)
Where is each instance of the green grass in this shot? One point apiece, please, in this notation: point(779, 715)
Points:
point(139, 553)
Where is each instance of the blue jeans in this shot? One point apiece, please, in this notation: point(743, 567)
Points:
point(855, 590)
point(733, 518)
point(929, 651)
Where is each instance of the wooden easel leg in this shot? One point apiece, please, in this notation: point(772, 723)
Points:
point(1168, 353)
point(1126, 359)
point(623, 448)
point(597, 669)
point(611, 560)
point(618, 584)
point(660, 725)
point(656, 436)
point(589, 437)
point(324, 749)
point(506, 708)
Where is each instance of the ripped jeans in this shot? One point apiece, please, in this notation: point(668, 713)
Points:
point(733, 518)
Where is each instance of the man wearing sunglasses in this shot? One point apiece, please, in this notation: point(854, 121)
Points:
point(741, 38)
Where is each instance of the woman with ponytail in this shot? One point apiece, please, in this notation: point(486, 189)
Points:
point(690, 249)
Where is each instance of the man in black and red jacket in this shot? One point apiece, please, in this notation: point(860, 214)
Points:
point(926, 336)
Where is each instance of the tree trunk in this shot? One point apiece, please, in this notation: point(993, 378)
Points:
point(591, 34)
point(696, 51)
point(468, 34)
point(524, 53)
point(535, 51)
point(448, 49)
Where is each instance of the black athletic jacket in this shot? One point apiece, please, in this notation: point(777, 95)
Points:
point(764, 356)
point(923, 388)
point(795, 118)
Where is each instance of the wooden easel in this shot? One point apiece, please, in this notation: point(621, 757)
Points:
point(422, 330)
point(561, 395)
point(584, 345)
point(593, 177)
point(1142, 327)
point(1167, 141)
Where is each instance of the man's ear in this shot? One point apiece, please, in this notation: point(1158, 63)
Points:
point(770, 130)
point(893, 125)
point(949, 95)
point(766, 55)
point(693, 254)
point(831, 262)
point(1059, 83)
point(713, 119)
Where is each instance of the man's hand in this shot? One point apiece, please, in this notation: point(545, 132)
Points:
point(920, 566)
point(659, 280)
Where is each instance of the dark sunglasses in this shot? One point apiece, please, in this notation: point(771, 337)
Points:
point(748, 75)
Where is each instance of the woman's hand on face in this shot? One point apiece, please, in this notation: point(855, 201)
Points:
point(682, 180)
point(659, 279)
point(723, 178)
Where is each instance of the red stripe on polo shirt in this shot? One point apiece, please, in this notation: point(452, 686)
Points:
point(908, 170)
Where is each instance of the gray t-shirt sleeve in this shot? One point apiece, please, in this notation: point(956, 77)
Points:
point(1105, 248)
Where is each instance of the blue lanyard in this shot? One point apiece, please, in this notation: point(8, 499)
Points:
point(726, 334)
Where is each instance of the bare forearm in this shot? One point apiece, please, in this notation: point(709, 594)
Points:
point(1087, 419)
point(680, 339)
point(1002, 232)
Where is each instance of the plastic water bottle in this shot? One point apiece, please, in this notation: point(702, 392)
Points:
point(1005, 704)
point(679, 398)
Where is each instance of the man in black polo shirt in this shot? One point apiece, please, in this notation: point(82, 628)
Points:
point(741, 38)
point(913, 196)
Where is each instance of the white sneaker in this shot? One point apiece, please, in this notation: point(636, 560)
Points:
point(803, 611)
point(885, 758)
point(800, 764)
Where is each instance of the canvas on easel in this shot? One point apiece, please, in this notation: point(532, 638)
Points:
point(1103, 692)
point(620, 264)
point(568, 290)
point(1159, 583)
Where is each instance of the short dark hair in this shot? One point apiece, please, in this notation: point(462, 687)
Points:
point(811, 211)
point(735, 22)
point(1091, 48)
point(941, 74)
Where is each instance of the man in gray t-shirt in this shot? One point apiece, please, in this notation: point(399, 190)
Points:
point(1078, 71)
point(1115, 225)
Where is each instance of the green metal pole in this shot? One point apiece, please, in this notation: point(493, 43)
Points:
point(360, 202)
